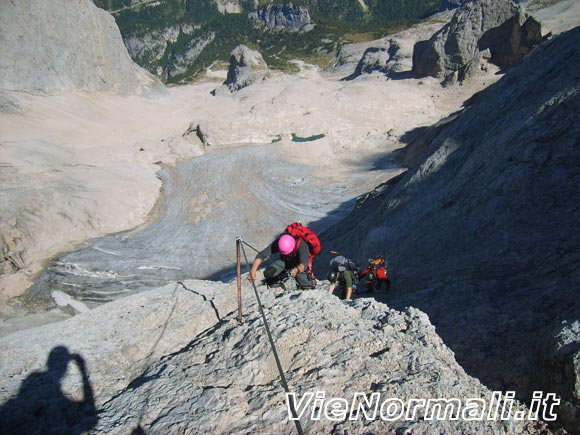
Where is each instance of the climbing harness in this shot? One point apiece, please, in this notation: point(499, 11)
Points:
point(240, 245)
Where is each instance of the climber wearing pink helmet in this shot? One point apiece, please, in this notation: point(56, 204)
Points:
point(293, 262)
point(286, 244)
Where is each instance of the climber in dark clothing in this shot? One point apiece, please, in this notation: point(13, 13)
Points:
point(293, 262)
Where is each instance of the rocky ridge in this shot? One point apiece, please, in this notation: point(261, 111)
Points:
point(219, 376)
point(495, 30)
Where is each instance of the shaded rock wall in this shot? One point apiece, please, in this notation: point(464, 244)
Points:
point(500, 26)
point(482, 232)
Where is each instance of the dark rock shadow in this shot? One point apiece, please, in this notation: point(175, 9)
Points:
point(401, 75)
point(42, 407)
point(391, 75)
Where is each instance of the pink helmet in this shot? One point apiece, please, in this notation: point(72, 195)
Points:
point(286, 243)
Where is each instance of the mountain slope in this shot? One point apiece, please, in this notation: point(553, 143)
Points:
point(76, 47)
point(483, 232)
point(176, 39)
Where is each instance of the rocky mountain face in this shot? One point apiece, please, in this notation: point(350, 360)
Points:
point(482, 232)
point(284, 16)
point(177, 360)
point(497, 30)
point(151, 30)
point(76, 47)
point(152, 47)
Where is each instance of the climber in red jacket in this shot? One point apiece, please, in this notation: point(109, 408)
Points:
point(376, 274)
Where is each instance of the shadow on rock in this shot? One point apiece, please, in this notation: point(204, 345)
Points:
point(42, 407)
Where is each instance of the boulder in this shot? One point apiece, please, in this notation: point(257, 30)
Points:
point(200, 131)
point(9, 104)
point(246, 68)
point(502, 27)
point(384, 60)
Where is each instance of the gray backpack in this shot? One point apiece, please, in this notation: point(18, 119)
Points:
point(340, 263)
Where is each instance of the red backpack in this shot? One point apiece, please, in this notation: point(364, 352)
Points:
point(300, 232)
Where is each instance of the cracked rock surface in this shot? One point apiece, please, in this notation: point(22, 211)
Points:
point(226, 379)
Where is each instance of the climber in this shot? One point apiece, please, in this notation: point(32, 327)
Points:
point(342, 271)
point(376, 274)
point(295, 257)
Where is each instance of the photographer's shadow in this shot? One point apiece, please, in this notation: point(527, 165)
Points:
point(41, 406)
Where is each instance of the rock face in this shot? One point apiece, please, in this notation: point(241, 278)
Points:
point(482, 232)
point(179, 63)
point(284, 16)
point(219, 376)
point(500, 26)
point(151, 47)
point(139, 330)
point(246, 68)
point(73, 46)
point(386, 60)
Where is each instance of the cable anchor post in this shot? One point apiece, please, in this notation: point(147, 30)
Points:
point(239, 241)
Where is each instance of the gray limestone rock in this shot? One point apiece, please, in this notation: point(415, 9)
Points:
point(200, 131)
point(9, 104)
point(117, 341)
point(219, 375)
point(73, 46)
point(500, 26)
point(386, 60)
point(559, 368)
point(284, 16)
point(246, 68)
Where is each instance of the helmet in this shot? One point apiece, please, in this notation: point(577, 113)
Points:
point(286, 243)
point(332, 276)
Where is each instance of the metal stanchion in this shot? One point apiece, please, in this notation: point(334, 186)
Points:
point(239, 275)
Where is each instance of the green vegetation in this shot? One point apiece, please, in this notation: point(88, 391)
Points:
point(337, 22)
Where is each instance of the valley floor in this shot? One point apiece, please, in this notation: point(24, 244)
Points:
point(78, 166)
